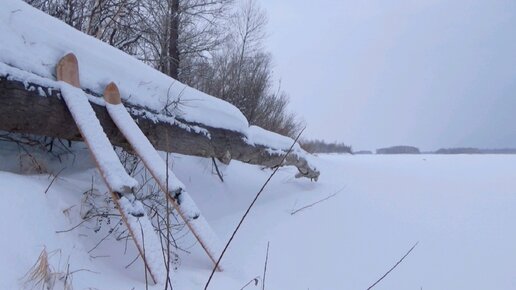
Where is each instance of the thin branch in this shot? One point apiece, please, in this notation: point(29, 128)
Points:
point(145, 258)
point(265, 266)
point(248, 210)
point(85, 270)
point(317, 202)
point(53, 179)
point(255, 280)
point(104, 238)
point(132, 262)
point(217, 169)
point(84, 221)
point(393, 267)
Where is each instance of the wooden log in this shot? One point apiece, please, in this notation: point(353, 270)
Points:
point(24, 110)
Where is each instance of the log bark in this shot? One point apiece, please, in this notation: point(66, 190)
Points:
point(24, 110)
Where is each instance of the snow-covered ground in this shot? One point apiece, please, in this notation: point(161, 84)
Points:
point(460, 209)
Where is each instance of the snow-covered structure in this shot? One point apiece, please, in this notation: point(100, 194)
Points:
point(197, 124)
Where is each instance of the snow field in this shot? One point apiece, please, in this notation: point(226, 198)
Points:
point(459, 208)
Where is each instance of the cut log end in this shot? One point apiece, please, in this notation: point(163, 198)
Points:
point(112, 94)
point(67, 70)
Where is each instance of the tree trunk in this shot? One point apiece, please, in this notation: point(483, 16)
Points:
point(173, 49)
point(23, 110)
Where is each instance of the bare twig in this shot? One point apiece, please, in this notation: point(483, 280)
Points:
point(132, 262)
point(167, 221)
point(248, 210)
point(67, 275)
point(99, 256)
point(53, 179)
point(393, 267)
point(104, 238)
point(85, 270)
point(84, 221)
point(265, 266)
point(217, 169)
point(319, 201)
point(255, 280)
point(144, 259)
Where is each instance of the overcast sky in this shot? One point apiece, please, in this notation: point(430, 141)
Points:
point(379, 73)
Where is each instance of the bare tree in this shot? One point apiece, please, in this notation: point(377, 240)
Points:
point(250, 22)
point(177, 31)
point(167, 34)
point(241, 73)
point(113, 21)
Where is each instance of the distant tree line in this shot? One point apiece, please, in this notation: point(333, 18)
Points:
point(457, 150)
point(320, 146)
point(469, 150)
point(214, 46)
point(398, 150)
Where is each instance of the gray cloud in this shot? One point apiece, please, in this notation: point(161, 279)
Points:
point(426, 73)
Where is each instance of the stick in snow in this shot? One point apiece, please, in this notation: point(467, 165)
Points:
point(265, 266)
point(118, 182)
point(319, 201)
point(217, 169)
point(168, 182)
point(393, 267)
